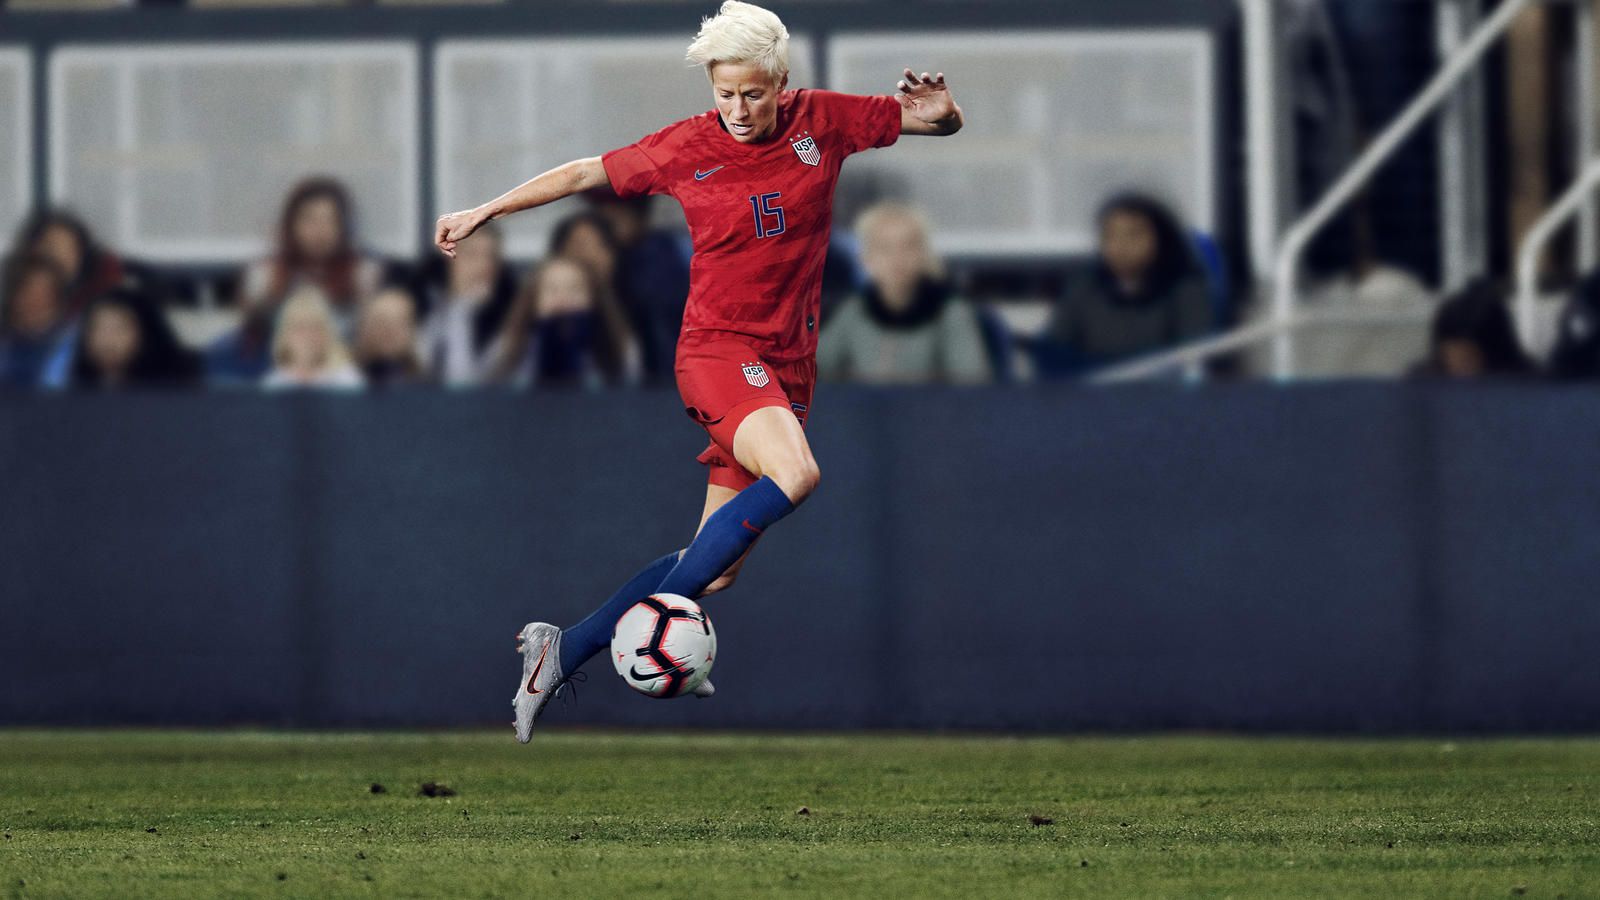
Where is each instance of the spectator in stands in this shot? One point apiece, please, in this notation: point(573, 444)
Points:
point(126, 341)
point(34, 325)
point(307, 351)
point(244, 354)
point(1577, 350)
point(1473, 337)
point(316, 245)
point(587, 237)
point(652, 277)
point(905, 326)
point(65, 240)
point(386, 340)
point(565, 330)
point(1144, 292)
point(470, 296)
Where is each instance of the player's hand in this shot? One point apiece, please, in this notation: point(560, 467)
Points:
point(453, 228)
point(926, 97)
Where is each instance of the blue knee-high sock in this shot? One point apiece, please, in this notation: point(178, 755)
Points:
point(722, 540)
point(725, 537)
point(585, 639)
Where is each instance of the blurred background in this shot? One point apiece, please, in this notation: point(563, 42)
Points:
point(268, 457)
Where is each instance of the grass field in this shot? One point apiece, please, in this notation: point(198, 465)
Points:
point(590, 814)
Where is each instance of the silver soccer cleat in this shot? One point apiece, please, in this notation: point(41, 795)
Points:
point(540, 646)
point(705, 689)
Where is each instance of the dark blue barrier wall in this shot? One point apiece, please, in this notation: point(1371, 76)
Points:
point(1356, 557)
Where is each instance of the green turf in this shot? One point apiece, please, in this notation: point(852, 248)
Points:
point(131, 814)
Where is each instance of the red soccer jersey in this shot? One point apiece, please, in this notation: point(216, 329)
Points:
point(759, 214)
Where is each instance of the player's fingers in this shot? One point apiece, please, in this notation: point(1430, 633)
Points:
point(939, 78)
point(926, 78)
point(904, 88)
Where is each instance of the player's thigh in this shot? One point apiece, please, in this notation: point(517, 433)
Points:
point(771, 443)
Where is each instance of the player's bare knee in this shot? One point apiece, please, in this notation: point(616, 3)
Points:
point(797, 479)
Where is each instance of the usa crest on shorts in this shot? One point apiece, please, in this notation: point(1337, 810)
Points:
point(756, 374)
point(805, 147)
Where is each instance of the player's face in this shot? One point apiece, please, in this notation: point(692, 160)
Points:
point(1128, 244)
point(113, 338)
point(747, 99)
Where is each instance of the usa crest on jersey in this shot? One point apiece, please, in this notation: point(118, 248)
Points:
point(756, 374)
point(805, 147)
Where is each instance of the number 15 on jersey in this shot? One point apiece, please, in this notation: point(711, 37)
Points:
point(769, 215)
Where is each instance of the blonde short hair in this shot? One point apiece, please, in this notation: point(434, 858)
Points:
point(742, 33)
point(309, 303)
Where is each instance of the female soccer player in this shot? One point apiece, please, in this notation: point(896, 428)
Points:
point(756, 178)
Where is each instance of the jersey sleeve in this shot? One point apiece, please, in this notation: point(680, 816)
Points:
point(637, 168)
point(861, 123)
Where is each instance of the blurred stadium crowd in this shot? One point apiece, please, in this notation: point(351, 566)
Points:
point(601, 305)
point(602, 308)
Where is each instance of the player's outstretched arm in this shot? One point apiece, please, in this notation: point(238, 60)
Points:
point(563, 181)
point(926, 105)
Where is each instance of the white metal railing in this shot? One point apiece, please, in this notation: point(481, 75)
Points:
point(1285, 318)
point(1190, 358)
point(1462, 154)
point(1299, 236)
point(1269, 131)
point(1587, 128)
point(1572, 203)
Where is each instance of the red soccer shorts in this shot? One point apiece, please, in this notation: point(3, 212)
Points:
point(723, 380)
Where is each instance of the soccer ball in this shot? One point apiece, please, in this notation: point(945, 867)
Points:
point(663, 646)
